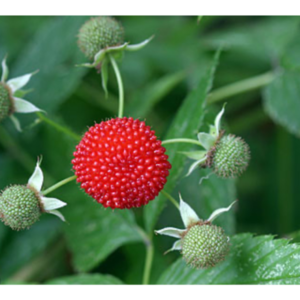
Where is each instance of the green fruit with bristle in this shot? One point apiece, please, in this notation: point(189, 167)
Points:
point(5, 101)
point(99, 33)
point(204, 246)
point(20, 207)
point(231, 157)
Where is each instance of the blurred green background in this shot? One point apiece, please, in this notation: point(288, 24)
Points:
point(156, 79)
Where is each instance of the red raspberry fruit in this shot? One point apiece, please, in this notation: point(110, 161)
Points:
point(121, 164)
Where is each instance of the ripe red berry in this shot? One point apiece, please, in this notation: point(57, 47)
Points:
point(121, 164)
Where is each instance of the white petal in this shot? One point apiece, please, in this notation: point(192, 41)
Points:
point(18, 82)
point(52, 203)
point(4, 70)
point(58, 214)
point(170, 231)
point(206, 139)
point(218, 120)
point(140, 45)
point(37, 178)
point(219, 211)
point(23, 106)
point(188, 215)
point(176, 246)
point(16, 122)
point(194, 165)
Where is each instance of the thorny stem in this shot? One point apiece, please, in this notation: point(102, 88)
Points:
point(181, 140)
point(167, 195)
point(58, 185)
point(59, 127)
point(120, 85)
point(241, 87)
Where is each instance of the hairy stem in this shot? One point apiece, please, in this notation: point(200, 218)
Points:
point(58, 185)
point(241, 87)
point(120, 85)
point(59, 127)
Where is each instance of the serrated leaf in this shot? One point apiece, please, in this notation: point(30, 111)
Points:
point(188, 120)
point(95, 232)
point(86, 279)
point(252, 260)
point(282, 101)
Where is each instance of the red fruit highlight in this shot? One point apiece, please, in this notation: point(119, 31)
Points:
point(121, 164)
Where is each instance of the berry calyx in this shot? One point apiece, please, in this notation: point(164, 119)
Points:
point(231, 156)
point(99, 33)
point(121, 164)
point(6, 101)
point(20, 207)
point(204, 245)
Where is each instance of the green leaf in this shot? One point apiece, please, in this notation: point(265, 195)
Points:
point(86, 279)
point(186, 123)
point(95, 232)
point(270, 36)
point(23, 246)
point(54, 52)
point(282, 101)
point(145, 100)
point(252, 260)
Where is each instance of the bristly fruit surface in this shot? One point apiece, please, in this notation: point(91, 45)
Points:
point(121, 164)
point(204, 246)
point(19, 207)
point(231, 156)
point(6, 106)
point(99, 33)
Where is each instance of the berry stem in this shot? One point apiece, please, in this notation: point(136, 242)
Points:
point(59, 127)
point(120, 85)
point(167, 195)
point(58, 185)
point(190, 141)
point(148, 261)
point(241, 87)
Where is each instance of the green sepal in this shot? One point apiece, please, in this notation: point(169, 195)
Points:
point(196, 155)
point(104, 76)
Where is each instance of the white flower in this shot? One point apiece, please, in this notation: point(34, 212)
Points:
point(14, 87)
point(49, 205)
point(189, 218)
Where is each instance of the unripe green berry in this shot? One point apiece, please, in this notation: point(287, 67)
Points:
point(231, 156)
point(19, 207)
point(99, 33)
point(5, 101)
point(205, 245)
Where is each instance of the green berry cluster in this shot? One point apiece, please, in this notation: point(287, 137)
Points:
point(204, 245)
point(5, 101)
point(19, 207)
point(99, 33)
point(231, 156)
